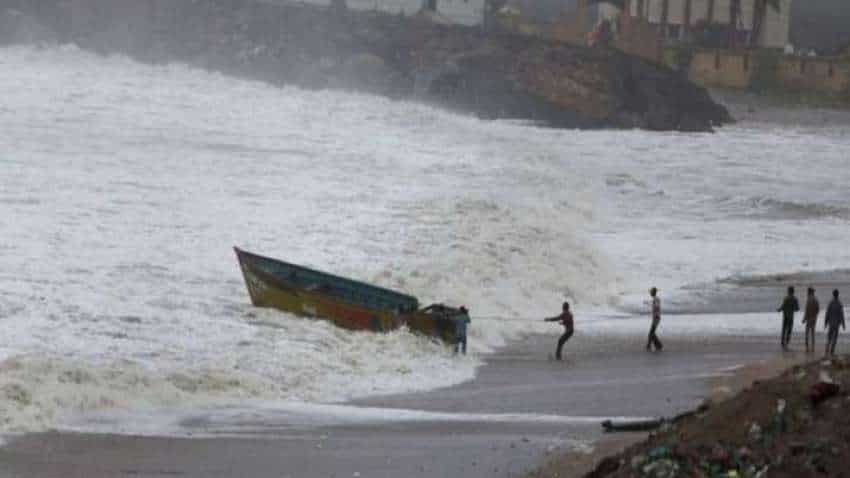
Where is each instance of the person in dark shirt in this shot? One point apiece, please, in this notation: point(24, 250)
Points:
point(461, 325)
point(788, 308)
point(810, 319)
point(566, 319)
point(834, 318)
point(653, 340)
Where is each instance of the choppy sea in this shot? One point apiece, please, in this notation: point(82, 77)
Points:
point(124, 186)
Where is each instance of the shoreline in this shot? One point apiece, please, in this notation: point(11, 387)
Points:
point(788, 424)
point(521, 410)
point(720, 388)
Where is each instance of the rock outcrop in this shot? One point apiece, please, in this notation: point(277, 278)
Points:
point(489, 74)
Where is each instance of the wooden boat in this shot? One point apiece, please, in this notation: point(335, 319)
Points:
point(345, 302)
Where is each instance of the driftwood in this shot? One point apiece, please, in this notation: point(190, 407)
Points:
point(632, 425)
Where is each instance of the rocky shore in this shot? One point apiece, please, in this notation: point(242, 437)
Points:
point(794, 425)
point(489, 74)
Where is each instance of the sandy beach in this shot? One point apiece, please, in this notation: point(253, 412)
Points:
point(522, 410)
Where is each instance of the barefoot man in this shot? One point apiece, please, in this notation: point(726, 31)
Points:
point(834, 319)
point(810, 319)
point(656, 319)
point(788, 307)
point(566, 319)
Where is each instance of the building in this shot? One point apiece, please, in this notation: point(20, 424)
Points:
point(773, 28)
point(461, 12)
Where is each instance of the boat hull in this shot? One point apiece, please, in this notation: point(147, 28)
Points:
point(347, 303)
point(268, 290)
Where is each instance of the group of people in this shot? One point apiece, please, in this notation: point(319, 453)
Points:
point(833, 320)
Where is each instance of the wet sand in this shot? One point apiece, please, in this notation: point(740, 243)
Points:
point(521, 410)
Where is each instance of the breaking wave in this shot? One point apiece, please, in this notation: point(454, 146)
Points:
point(132, 182)
point(125, 186)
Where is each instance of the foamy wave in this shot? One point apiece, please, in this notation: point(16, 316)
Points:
point(778, 209)
point(503, 259)
point(37, 393)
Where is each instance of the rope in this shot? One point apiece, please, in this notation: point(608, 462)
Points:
point(497, 318)
point(510, 319)
point(506, 318)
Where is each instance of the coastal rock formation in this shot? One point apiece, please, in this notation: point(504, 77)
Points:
point(493, 75)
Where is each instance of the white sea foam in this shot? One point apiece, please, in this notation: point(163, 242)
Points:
point(124, 186)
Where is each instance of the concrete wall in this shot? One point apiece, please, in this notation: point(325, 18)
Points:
point(821, 74)
point(798, 73)
point(721, 69)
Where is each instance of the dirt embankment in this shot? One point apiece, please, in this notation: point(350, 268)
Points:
point(466, 69)
point(795, 425)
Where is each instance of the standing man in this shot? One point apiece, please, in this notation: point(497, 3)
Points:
point(461, 324)
point(788, 307)
point(834, 318)
point(810, 318)
point(656, 319)
point(566, 319)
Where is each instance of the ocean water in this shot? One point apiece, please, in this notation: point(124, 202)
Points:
point(123, 188)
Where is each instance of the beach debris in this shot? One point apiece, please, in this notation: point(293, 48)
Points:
point(755, 433)
point(746, 437)
point(823, 391)
point(825, 377)
point(780, 406)
point(638, 461)
point(632, 425)
point(659, 452)
point(664, 468)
